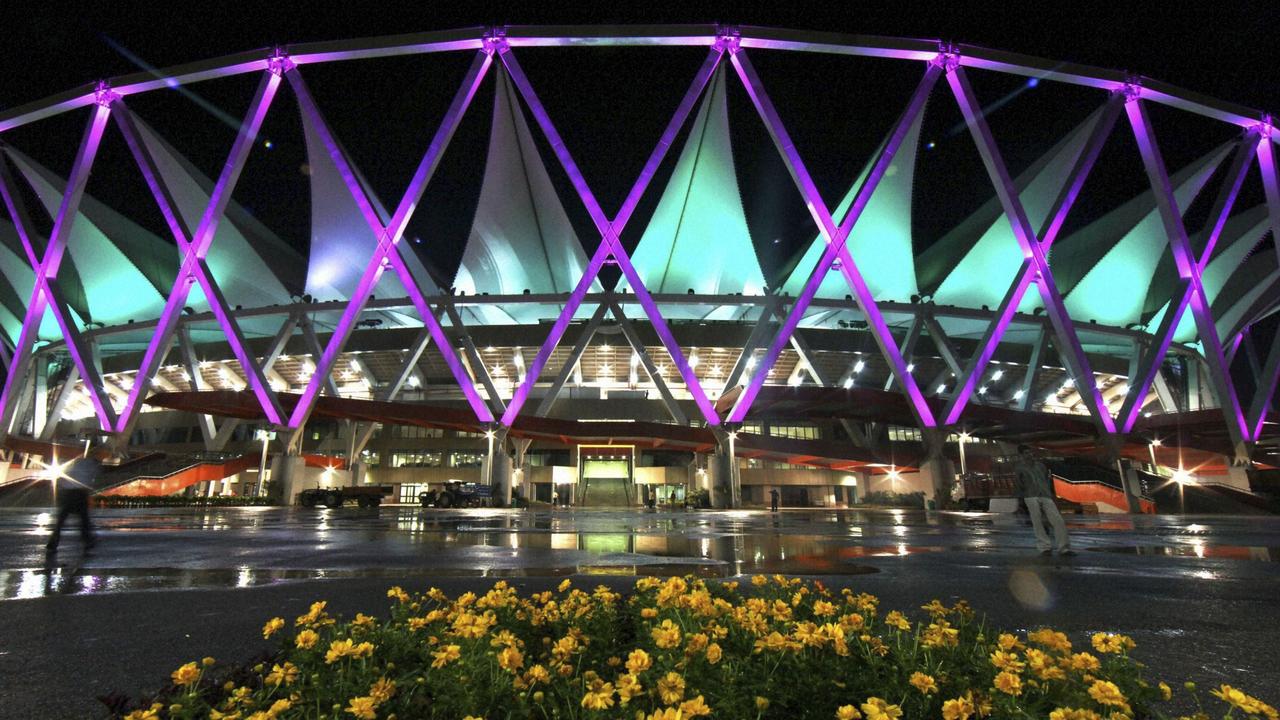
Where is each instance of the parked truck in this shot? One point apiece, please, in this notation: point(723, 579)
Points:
point(366, 496)
point(456, 493)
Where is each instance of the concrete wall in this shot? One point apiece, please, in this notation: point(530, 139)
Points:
point(661, 475)
point(420, 475)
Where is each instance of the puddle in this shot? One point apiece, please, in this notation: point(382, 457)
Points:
point(1196, 550)
point(70, 580)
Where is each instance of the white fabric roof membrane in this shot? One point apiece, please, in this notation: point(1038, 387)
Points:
point(982, 275)
point(107, 243)
point(1241, 233)
point(241, 250)
point(1114, 290)
point(342, 243)
point(521, 238)
point(880, 242)
point(21, 279)
point(698, 237)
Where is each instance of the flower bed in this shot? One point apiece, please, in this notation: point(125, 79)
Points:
point(675, 649)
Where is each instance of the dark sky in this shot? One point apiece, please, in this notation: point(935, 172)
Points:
point(838, 109)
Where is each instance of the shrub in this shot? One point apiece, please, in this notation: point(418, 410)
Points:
point(893, 499)
point(675, 649)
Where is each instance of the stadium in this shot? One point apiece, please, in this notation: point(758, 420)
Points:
point(1002, 253)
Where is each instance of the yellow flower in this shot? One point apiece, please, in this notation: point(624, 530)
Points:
point(364, 708)
point(960, 708)
point(1247, 703)
point(363, 621)
point(306, 639)
point(1165, 691)
point(1008, 642)
point(316, 616)
point(696, 707)
point(924, 683)
point(759, 580)
point(537, 674)
point(847, 712)
point(1008, 683)
point(273, 626)
point(1074, 714)
point(822, 608)
point(714, 653)
point(188, 675)
point(935, 608)
point(151, 713)
point(666, 635)
point(878, 709)
point(671, 688)
point(1105, 692)
point(564, 585)
point(664, 714)
point(1052, 639)
point(399, 594)
point(896, 619)
point(445, 655)
point(599, 696)
point(1006, 661)
point(628, 687)
point(510, 659)
point(382, 690)
point(339, 649)
point(282, 674)
point(1112, 642)
point(762, 703)
point(649, 613)
point(1085, 662)
point(473, 717)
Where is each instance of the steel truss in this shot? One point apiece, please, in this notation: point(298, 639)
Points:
point(496, 47)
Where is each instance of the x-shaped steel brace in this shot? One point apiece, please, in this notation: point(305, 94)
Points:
point(388, 251)
point(1034, 249)
point(45, 293)
point(1029, 270)
point(195, 249)
point(835, 237)
point(1190, 273)
point(610, 247)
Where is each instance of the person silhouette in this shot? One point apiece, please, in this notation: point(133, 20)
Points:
point(72, 487)
point(774, 496)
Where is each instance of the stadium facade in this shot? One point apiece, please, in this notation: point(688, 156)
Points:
point(657, 354)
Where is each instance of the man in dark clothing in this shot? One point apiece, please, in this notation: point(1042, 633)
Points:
point(774, 495)
point(1035, 487)
point(72, 487)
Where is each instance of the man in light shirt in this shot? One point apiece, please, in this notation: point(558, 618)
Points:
point(1035, 487)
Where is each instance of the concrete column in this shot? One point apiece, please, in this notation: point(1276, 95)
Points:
point(287, 475)
point(359, 472)
point(500, 476)
point(936, 466)
point(1238, 476)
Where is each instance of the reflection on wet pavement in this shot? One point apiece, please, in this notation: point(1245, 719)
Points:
point(168, 548)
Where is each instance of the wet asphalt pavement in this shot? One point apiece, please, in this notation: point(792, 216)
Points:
point(1198, 593)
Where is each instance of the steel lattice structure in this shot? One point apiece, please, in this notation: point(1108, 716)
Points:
point(1121, 95)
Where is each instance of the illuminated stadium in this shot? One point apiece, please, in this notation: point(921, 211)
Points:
point(1003, 253)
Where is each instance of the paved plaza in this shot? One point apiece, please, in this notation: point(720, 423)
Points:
point(164, 586)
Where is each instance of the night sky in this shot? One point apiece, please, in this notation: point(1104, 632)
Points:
point(611, 104)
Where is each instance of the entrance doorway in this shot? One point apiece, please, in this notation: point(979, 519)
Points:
point(605, 475)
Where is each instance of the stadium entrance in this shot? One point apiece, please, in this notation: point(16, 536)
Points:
point(606, 476)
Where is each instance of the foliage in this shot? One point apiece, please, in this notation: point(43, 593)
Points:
point(675, 649)
point(893, 499)
point(143, 501)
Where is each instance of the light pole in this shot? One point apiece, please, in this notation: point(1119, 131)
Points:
point(264, 436)
point(1151, 447)
point(1182, 477)
point(964, 437)
point(489, 465)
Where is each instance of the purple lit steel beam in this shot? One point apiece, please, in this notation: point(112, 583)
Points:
point(1141, 381)
point(610, 246)
point(835, 237)
point(995, 332)
point(44, 293)
point(1188, 269)
point(194, 248)
point(387, 253)
point(1270, 378)
point(1064, 330)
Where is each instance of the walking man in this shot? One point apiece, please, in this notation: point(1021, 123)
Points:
point(1035, 486)
point(72, 488)
point(773, 498)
